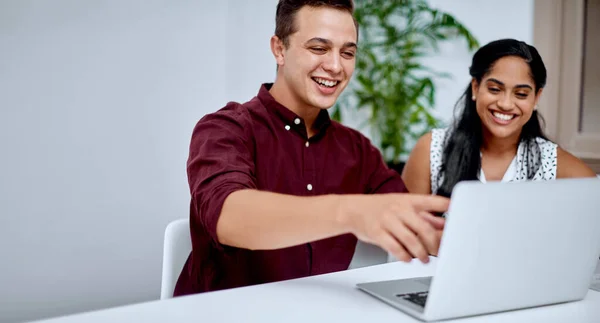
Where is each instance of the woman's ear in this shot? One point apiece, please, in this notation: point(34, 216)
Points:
point(474, 88)
point(538, 95)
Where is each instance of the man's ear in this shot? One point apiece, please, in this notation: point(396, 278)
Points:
point(278, 50)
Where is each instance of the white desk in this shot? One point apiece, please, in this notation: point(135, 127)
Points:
point(327, 298)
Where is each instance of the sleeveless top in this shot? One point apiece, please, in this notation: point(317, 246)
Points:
point(542, 155)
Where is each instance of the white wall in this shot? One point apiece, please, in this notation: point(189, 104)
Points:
point(97, 104)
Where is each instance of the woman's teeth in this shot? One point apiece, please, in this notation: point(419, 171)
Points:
point(324, 82)
point(502, 116)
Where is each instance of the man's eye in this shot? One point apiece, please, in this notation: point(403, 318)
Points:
point(348, 54)
point(318, 49)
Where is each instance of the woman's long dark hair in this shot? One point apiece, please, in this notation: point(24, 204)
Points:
point(461, 158)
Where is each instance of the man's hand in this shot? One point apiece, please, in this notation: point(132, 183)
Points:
point(401, 224)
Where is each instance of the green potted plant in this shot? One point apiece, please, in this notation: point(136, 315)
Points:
point(389, 80)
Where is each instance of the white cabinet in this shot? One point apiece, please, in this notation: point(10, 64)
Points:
point(567, 34)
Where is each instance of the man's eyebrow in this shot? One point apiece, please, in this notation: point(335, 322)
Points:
point(519, 86)
point(319, 40)
point(350, 44)
point(329, 43)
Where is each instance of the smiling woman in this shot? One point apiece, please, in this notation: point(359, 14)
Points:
point(498, 134)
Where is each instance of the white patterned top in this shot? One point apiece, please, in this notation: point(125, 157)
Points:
point(544, 152)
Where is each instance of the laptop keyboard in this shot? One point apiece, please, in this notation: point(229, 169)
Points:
point(415, 298)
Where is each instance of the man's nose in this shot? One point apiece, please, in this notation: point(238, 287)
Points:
point(333, 63)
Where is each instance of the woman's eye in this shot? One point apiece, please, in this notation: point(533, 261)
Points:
point(493, 90)
point(522, 95)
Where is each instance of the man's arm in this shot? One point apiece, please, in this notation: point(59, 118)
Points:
point(228, 206)
point(252, 219)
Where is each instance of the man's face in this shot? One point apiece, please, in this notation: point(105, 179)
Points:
point(320, 57)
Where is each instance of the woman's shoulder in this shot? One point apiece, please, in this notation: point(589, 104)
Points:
point(561, 161)
point(417, 169)
point(548, 148)
point(432, 138)
point(571, 166)
point(424, 162)
point(546, 143)
point(438, 136)
point(439, 132)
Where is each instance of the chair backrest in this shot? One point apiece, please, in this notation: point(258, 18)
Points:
point(367, 254)
point(178, 245)
point(176, 249)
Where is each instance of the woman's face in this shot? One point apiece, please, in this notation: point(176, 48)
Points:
point(505, 98)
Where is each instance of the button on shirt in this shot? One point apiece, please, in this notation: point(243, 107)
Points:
point(262, 145)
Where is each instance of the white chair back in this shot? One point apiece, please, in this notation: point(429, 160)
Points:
point(176, 249)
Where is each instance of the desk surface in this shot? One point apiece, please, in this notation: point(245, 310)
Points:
point(325, 298)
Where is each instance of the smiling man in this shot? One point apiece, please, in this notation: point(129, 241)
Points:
point(280, 191)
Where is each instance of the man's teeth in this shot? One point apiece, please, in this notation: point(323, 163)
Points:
point(502, 116)
point(325, 82)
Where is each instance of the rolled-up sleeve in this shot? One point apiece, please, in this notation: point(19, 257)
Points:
point(381, 179)
point(221, 162)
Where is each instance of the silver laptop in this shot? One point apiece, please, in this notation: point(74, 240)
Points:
point(506, 246)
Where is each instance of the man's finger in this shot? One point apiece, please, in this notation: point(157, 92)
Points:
point(436, 222)
point(407, 238)
point(391, 245)
point(430, 203)
point(439, 235)
point(426, 233)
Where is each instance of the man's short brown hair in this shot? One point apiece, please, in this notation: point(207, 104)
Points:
point(287, 9)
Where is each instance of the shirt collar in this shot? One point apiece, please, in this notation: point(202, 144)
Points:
point(288, 116)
